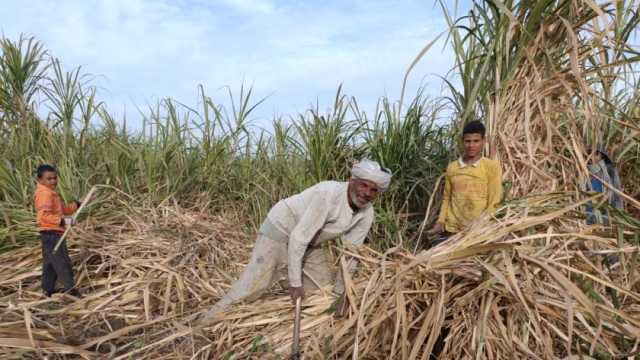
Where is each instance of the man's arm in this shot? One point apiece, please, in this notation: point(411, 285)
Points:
point(494, 187)
point(307, 227)
point(71, 208)
point(354, 238)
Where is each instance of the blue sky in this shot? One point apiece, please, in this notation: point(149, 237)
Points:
point(292, 52)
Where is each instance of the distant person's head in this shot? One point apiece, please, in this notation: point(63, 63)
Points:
point(473, 139)
point(599, 154)
point(47, 176)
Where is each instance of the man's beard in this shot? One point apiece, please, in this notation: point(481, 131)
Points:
point(356, 201)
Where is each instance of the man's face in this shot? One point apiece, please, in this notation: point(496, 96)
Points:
point(49, 179)
point(473, 144)
point(362, 192)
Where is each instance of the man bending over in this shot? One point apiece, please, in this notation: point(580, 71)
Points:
point(289, 241)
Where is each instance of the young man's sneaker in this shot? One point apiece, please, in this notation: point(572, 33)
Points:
point(50, 293)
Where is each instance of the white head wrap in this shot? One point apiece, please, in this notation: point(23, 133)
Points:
point(372, 171)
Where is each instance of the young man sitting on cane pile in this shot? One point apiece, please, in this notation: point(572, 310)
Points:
point(289, 242)
point(473, 186)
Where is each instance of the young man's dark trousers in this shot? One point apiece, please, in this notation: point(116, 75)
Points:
point(440, 237)
point(55, 265)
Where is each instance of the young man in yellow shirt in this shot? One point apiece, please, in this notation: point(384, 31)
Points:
point(473, 185)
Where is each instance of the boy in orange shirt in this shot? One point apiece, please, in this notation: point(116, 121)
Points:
point(51, 222)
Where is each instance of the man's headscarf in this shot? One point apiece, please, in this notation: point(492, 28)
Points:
point(372, 171)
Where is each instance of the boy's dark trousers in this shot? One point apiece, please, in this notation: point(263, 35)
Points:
point(55, 265)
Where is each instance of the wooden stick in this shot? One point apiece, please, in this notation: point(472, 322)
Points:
point(295, 345)
point(75, 216)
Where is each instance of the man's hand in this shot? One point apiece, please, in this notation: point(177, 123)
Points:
point(296, 292)
point(436, 229)
point(342, 306)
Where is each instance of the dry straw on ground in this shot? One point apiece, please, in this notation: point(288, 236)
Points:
point(526, 286)
point(164, 263)
point(537, 283)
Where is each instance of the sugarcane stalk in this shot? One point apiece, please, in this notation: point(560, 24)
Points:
point(87, 199)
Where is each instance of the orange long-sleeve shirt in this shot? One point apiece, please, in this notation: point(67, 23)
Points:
point(50, 209)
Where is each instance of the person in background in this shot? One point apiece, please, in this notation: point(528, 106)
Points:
point(602, 170)
point(473, 185)
point(52, 216)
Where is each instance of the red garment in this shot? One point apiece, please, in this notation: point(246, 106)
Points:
point(51, 210)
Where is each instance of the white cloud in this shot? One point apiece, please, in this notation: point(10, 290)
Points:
point(257, 6)
point(296, 52)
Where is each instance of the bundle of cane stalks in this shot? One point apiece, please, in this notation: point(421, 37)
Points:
point(532, 282)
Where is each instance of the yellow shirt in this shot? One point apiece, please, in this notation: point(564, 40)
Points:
point(469, 191)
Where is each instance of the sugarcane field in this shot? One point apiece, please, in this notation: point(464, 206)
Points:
point(498, 220)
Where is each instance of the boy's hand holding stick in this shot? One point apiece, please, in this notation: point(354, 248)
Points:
point(85, 201)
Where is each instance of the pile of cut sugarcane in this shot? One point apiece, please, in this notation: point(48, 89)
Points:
point(533, 282)
point(143, 268)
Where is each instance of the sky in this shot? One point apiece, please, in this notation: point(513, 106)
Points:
point(292, 53)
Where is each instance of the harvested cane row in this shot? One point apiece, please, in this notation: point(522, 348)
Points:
point(534, 283)
point(531, 285)
point(135, 275)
